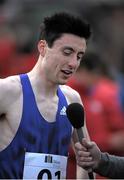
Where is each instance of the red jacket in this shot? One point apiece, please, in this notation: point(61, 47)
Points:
point(103, 113)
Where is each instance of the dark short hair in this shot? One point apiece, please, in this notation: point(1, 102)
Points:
point(54, 26)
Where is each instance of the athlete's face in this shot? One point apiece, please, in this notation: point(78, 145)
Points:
point(63, 58)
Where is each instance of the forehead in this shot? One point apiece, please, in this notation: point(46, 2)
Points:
point(71, 40)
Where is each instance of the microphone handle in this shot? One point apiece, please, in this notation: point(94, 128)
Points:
point(80, 136)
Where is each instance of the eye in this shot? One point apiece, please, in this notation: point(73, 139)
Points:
point(79, 57)
point(67, 52)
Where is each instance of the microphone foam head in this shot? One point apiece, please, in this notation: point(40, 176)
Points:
point(75, 114)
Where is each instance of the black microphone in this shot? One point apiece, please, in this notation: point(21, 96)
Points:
point(75, 114)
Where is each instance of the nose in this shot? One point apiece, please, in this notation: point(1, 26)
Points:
point(73, 62)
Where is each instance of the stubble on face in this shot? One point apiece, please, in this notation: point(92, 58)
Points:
point(57, 62)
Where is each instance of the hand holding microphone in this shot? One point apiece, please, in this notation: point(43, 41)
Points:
point(75, 114)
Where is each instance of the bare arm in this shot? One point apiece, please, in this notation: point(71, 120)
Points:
point(73, 96)
point(81, 173)
point(9, 92)
point(3, 96)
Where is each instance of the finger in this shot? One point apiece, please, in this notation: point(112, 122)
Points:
point(84, 159)
point(79, 146)
point(86, 165)
point(87, 144)
point(83, 153)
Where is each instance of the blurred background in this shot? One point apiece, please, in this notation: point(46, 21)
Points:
point(102, 93)
point(20, 20)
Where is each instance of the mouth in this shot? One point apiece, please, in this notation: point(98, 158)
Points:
point(67, 73)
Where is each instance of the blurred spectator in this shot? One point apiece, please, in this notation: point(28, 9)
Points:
point(121, 91)
point(24, 58)
point(16, 54)
point(71, 166)
point(119, 76)
point(7, 50)
point(99, 94)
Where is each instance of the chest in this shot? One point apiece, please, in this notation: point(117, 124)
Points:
point(48, 108)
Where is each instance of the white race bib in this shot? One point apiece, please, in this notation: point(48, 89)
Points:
point(44, 166)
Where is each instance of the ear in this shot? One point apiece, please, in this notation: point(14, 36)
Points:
point(42, 47)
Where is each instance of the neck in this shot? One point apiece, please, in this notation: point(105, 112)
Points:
point(40, 82)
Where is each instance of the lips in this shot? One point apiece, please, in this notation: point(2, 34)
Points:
point(66, 72)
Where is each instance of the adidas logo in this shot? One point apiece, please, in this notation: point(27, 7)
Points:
point(63, 111)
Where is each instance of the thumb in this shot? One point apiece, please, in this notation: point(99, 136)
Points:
point(86, 143)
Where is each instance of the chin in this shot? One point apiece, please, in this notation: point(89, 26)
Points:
point(63, 82)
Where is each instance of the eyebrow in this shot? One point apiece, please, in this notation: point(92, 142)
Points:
point(71, 49)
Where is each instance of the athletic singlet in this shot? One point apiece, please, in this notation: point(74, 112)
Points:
point(35, 134)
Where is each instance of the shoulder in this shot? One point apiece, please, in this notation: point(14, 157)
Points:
point(11, 83)
point(10, 90)
point(70, 94)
